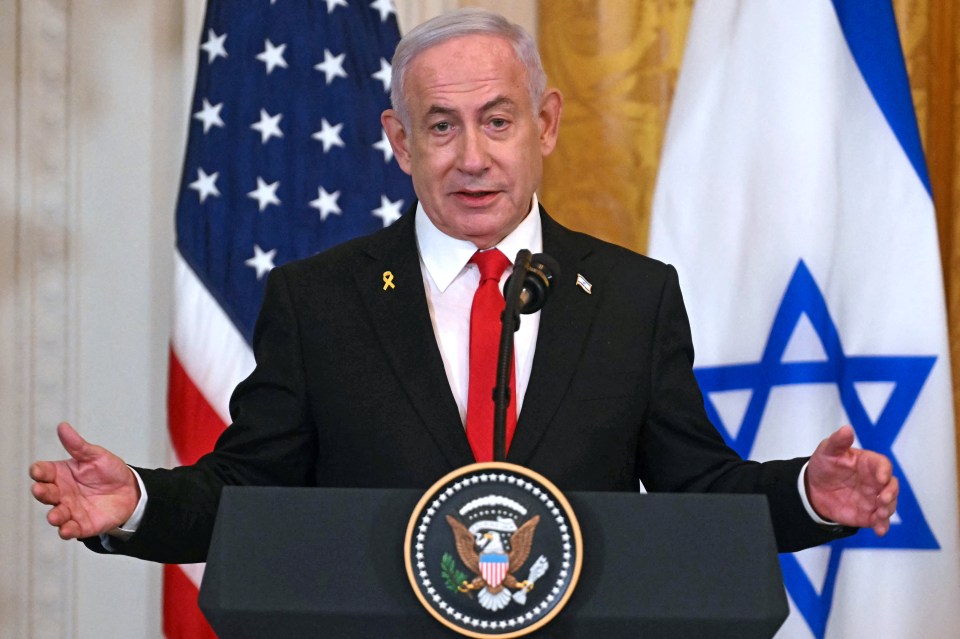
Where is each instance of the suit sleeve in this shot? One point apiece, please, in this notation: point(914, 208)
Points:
point(271, 442)
point(683, 451)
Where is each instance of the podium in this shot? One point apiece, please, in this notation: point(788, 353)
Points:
point(313, 562)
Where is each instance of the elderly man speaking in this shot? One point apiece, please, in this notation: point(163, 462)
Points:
point(363, 384)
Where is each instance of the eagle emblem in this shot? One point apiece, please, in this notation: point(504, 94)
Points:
point(494, 550)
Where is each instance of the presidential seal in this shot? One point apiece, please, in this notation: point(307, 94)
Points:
point(493, 550)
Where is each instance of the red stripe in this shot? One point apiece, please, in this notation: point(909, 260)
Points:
point(182, 618)
point(194, 426)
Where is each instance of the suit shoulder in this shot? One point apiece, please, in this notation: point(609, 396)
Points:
point(614, 256)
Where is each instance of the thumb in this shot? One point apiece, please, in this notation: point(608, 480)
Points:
point(73, 443)
point(838, 443)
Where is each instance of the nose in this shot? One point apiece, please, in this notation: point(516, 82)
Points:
point(474, 153)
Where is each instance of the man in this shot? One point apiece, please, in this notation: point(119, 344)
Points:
point(362, 352)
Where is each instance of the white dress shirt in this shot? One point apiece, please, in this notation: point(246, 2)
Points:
point(450, 282)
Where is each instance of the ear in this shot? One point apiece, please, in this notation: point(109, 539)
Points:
point(397, 135)
point(550, 108)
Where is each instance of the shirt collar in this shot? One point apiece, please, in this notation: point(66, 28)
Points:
point(445, 257)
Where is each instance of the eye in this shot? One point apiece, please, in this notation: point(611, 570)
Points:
point(498, 123)
point(441, 127)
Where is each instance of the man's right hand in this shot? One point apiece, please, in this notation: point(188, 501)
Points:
point(92, 493)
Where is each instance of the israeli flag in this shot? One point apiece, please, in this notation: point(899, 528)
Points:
point(793, 199)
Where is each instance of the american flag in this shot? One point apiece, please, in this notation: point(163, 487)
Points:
point(285, 158)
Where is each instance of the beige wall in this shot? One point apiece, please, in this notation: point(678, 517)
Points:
point(91, 134)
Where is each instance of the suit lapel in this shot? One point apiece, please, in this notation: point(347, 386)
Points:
point(564, 325)
point(402, 323)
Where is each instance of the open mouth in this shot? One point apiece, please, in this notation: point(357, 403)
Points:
point(475, 197)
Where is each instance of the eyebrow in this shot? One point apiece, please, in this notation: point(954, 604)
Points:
point(436, 109)
point(499, 101)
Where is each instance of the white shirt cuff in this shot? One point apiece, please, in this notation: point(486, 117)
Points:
point(802, 487)
point(125, 530)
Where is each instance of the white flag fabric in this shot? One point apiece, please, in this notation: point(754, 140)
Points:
point(794, 201)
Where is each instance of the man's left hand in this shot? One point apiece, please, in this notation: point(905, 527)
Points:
point(851, 486)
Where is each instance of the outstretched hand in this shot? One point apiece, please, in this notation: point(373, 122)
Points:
point(92, 493)
point(851, 486)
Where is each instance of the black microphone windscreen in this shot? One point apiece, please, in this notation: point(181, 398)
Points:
point(543, 270)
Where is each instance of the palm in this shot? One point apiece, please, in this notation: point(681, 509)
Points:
point(851, 486)
point(91, 493)
point(95, 493)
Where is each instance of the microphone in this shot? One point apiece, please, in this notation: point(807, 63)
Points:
point(539, 274)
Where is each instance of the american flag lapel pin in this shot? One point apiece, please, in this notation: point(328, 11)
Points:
point(583, 283)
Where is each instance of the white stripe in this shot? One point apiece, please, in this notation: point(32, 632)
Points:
point(210, 348)
point(194, 572)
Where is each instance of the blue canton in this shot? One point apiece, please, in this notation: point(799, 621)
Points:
point(286, 156)
point(906, 373)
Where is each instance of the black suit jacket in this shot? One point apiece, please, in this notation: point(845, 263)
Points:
point(350, 390)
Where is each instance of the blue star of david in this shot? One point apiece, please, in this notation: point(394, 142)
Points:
point(908, 374)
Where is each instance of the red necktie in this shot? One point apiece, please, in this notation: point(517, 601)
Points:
point(485, 325)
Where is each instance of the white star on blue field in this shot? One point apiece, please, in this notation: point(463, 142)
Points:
point(906, 374)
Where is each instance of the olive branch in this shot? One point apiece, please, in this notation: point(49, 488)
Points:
point(452, 577)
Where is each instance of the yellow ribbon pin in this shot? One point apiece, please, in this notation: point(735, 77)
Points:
point(388, 280)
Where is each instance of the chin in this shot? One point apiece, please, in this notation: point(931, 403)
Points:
point(486, 235)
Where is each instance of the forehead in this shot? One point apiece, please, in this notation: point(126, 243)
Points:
point(465, 66)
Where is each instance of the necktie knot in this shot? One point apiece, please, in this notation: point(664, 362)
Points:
point(492, 263)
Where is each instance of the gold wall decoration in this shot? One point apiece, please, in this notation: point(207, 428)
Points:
point(930, 32)
point(616, 62)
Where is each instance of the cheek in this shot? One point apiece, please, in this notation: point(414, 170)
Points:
point(532, 167)
point(434, 169)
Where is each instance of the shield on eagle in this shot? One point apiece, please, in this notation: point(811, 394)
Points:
point(493, 568)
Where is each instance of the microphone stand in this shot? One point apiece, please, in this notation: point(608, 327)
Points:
point(509, 323)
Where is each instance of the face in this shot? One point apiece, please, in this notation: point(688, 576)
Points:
point(475, 144)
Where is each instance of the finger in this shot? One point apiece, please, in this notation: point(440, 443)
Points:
point(875, 474)
point(874, 471)
point(58, 515)
point(43, 471)
point(74, 444)
point(886, 507)
point(880, 519)
point(70, 530)
point(887, 499)
point(876, 468)
point(839, 442)
point(883, 469)
point(884, 510)
point(890, 490)
point(46, 494)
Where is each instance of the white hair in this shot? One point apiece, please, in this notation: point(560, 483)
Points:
point(456, 24)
